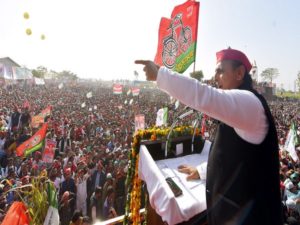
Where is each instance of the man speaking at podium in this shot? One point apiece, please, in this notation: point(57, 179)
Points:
point(242, 182)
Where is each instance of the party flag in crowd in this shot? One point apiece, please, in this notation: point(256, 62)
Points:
point(49, 151)
point(89, 95)
point(34, 143)
point(292, 141)
point(83, 105)
point(177, 104)
point(39, 81)
point(162, 116)
point(135, 91)
point(40, 118)
point(178, 37)
point(139, 122)
point(117, 89)
point(52, 217)
point(131, 101)
point(128, 92)
point(16, 215)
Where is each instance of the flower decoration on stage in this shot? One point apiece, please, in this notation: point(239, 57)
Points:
point(133, 183)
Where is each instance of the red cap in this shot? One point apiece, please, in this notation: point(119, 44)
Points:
point(25, 179)
point(68, 171)
point(232, 54)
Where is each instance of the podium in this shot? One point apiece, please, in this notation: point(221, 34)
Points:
point(163, 207)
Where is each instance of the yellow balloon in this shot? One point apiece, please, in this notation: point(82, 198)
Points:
point(43, 37)
point(26, 15)
point(28, 31)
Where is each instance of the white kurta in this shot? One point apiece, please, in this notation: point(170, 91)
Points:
point(236, 108)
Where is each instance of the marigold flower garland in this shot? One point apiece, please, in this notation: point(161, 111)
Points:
point(133, 183)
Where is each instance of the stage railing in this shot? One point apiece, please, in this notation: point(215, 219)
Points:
point(117, 220)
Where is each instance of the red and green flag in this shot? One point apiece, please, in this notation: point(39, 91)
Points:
point(117, 89)
point(34, 143)
point(178, 37)
point(40, 118)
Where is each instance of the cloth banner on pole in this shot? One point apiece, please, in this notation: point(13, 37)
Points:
point(49, 151)
point(117, 89)
point(177, 103)
point(40, 118)
point(39, 81)
point(291, 142)
point(89, 95)
point(162, 116)
point(135, 91)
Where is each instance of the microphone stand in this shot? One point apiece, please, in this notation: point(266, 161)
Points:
point(198, 118)
point(172, 127)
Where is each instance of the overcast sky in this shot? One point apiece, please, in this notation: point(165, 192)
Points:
point(101, 39)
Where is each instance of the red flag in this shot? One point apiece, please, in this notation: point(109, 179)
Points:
point(135, 91)
point(117, 89)
point(33, 143)
point(39, 119)
point(49, 151)
point(17, 215)
point(178, 37)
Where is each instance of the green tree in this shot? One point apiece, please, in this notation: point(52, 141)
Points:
point(298, 81)
point(39, 72)
point(68, 75)
point(53, 74)
point(269, 74)
point(198, 75)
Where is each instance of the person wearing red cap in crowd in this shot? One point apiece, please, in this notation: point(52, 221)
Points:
point(246, 129)
point(38, 160)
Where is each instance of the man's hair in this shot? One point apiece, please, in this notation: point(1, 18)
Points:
point(247, 84)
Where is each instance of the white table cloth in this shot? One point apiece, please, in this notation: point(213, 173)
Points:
point(173, 209)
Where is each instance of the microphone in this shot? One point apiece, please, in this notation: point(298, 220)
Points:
point(186, 114)
point(174, 123)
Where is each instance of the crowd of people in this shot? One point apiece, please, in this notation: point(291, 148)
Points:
point(92, 144)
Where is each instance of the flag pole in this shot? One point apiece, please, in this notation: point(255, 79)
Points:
point(194, 68)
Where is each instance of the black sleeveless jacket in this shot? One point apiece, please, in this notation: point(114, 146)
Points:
point(243, 178)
